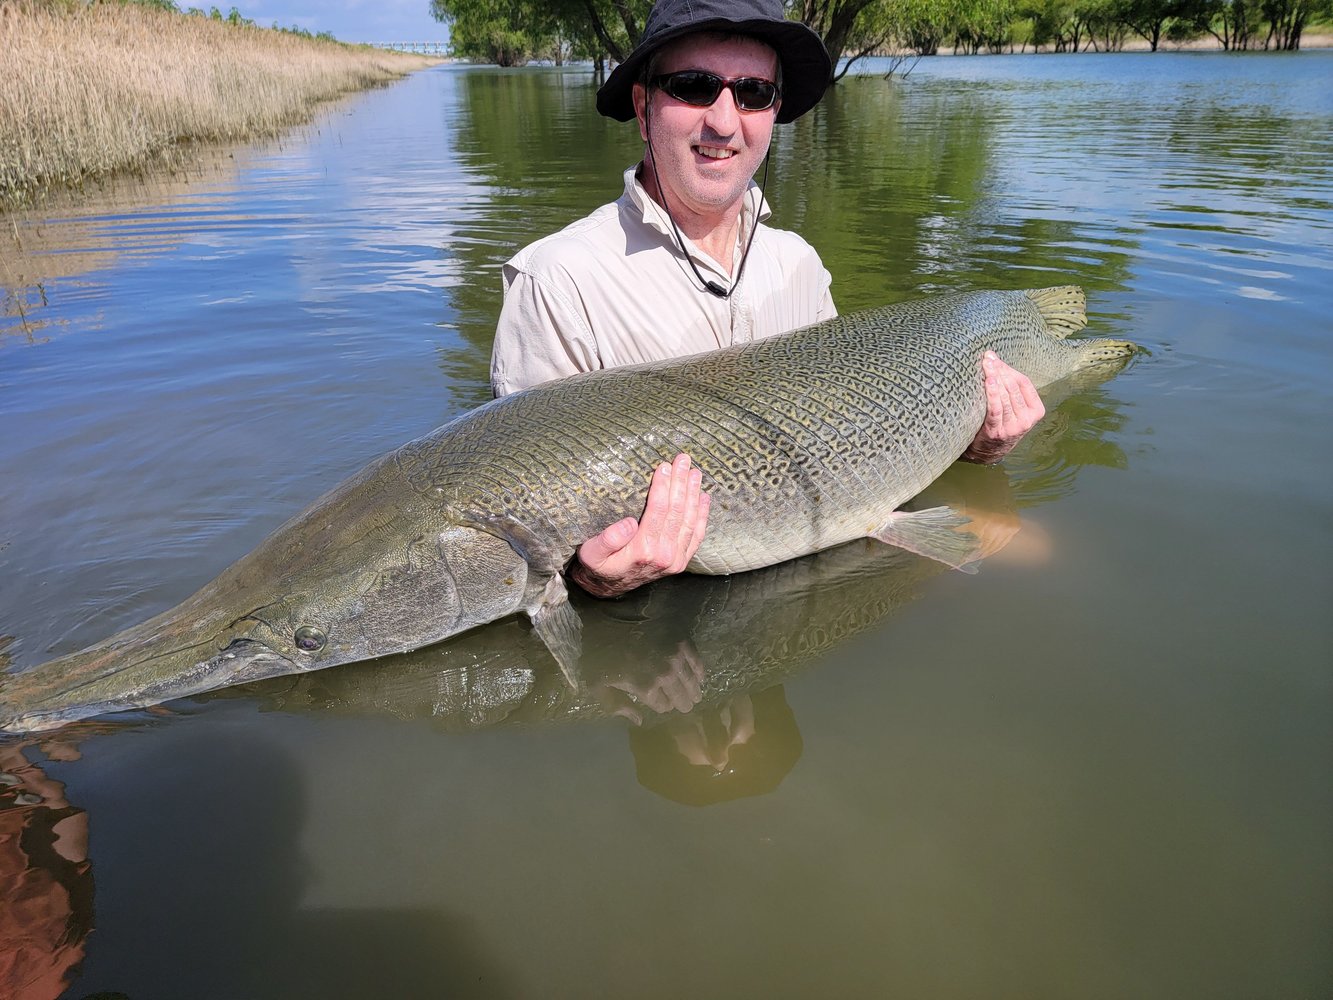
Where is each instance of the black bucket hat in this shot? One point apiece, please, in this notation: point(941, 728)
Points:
point(805, 63)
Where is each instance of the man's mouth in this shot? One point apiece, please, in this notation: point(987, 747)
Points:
point(715, 152)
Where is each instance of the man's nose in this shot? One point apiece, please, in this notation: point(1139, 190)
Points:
point(723, 116)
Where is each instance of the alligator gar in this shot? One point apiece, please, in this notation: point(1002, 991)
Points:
point(805, 441)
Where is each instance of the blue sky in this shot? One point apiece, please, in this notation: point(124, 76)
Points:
point(349, 20)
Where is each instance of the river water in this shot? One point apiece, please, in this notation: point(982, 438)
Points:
point(1097, 768)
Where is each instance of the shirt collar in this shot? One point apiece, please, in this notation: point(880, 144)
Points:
point(651, 214)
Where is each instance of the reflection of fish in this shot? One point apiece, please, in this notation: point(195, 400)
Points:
point(806, 441)
point(745, 633)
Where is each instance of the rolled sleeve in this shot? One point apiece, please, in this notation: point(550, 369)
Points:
point(827, 310)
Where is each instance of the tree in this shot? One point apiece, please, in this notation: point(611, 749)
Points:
point(1287, 19)
point(507, 32)
point(858, 26)
point(984, 24)
point(1232, 22)
point(601, 27)
point(1148, 18)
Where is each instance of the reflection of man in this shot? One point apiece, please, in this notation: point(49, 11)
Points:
point(744, 746)
point(681, 262)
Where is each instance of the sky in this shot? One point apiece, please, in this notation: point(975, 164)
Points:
point(348, 20)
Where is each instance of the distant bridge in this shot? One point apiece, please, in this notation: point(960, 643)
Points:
point(428, 48)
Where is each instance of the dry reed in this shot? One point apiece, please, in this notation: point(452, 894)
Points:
point(88, 91)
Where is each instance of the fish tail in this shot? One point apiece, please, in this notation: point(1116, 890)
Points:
point(1063, 308)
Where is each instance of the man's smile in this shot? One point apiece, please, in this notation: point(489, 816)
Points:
point(715, 152)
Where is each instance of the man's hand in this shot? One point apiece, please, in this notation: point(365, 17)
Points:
point(631, 553)
point(1012, 409)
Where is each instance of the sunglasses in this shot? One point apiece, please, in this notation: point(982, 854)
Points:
point(700, 89)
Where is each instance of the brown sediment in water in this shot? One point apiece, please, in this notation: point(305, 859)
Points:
point(93, 91)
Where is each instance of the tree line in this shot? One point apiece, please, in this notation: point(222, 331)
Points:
point(514, 32)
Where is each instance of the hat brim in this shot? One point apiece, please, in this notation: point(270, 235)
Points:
point(806, 68)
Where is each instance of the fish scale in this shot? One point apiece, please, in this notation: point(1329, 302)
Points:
point(805, 441)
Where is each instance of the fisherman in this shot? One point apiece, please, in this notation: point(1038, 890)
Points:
point(681, 262)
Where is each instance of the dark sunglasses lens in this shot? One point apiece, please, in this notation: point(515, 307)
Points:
point(700, 89)
point(754, 95)
point(696, 87)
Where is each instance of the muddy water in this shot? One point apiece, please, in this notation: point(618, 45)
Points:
point(1096, 768)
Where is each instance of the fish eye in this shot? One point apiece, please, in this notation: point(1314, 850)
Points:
point(309, 639)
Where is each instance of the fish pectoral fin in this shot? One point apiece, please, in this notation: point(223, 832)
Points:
point(557, 624)
point(934, 533)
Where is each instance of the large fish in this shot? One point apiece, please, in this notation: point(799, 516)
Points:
point(805, 441)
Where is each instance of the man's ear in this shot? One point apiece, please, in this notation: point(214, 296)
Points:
point(639, 95)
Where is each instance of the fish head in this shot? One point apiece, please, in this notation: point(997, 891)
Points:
point(314, 595)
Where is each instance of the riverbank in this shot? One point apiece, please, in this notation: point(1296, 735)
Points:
point(1320, 38)
point(89, 92)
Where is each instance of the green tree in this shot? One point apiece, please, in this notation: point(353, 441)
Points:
point(1287, 20)
point(507, 33)
point(1148, 18)
point(1232, 22)
point(856, 26)
point(1053, 23)
point(1103, 23)
point(923, 25)
point(984, 25)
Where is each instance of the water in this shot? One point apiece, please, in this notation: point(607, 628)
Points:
point(1099, 767)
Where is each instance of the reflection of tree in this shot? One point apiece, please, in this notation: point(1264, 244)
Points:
point(897, 186)
point(549, 159)
point(879, 180)
point(68, 236)
point(1239, 150)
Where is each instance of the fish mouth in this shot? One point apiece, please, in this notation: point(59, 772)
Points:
point(111, 678)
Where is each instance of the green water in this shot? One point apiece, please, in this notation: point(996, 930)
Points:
point(1097, 768)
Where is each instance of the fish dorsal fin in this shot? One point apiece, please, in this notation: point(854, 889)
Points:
point(1063, 308)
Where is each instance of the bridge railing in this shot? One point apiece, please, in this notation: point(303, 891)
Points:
point(427, 48)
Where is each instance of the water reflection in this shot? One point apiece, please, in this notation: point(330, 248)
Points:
point(70, 237)
point(743, 747)
point(46, 878)
point(694, 664)
point(1128, 747)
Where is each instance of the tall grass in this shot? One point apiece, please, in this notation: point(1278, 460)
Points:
point(88, 91)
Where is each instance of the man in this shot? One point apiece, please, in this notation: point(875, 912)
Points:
point(681, 262)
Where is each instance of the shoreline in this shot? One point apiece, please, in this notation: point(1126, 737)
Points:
point(106, 91)
point(1136, 44)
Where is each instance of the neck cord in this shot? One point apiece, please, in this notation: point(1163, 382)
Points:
point(708, 284)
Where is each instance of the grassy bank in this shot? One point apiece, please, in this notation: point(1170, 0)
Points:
point(90, 91)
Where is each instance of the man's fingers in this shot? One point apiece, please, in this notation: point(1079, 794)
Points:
point(700, 528)
point(683, 544)
point(675, 522)
point(599, 548)
point(995, 395)
point(633, 552)
point(1032, 399)
point(659, 501)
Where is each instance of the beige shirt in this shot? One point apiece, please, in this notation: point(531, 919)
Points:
point(613, 289)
